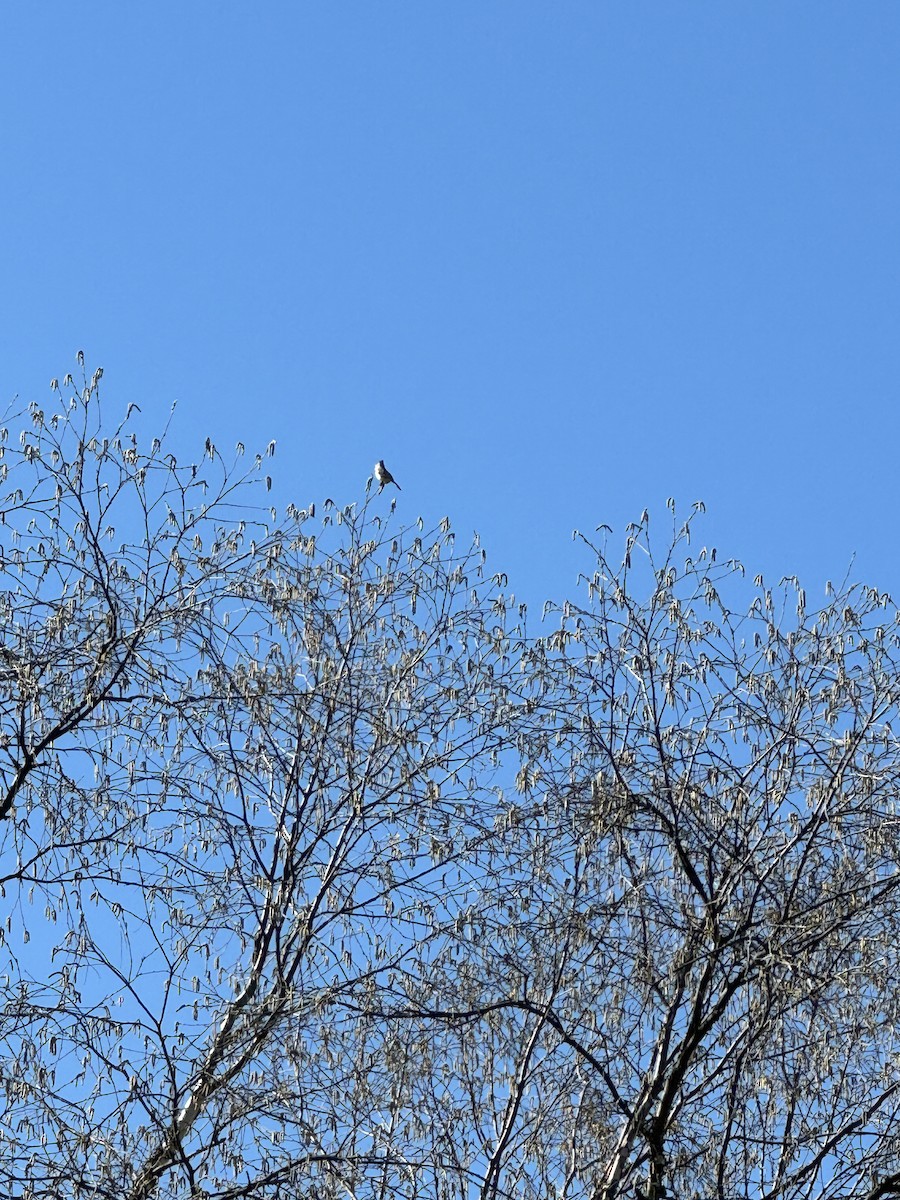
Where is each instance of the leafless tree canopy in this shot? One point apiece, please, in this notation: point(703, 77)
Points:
point(324, 876)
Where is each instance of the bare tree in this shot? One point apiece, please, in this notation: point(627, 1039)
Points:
point(693, 989)
point(325, 877)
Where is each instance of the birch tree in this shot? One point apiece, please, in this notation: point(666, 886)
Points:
point(692, 990)
point(326, 875)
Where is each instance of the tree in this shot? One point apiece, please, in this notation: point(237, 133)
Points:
point(326, 876)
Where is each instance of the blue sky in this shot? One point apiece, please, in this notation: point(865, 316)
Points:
point(553, 262)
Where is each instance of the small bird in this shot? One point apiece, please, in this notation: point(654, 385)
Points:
point(384, 477)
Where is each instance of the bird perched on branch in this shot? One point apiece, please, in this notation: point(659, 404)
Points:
point(384, 477)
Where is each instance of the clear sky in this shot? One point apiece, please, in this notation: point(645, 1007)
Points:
point(553, 262)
